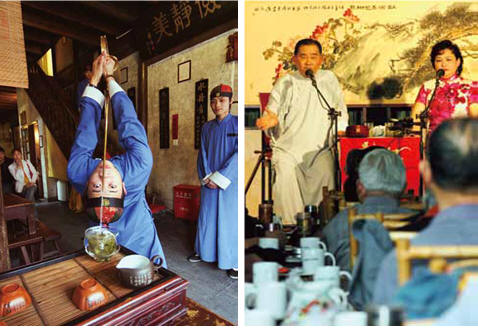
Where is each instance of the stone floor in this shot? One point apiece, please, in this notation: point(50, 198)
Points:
point(208, 285)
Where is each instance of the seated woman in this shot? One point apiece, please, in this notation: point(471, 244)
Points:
point(25, 175)
point(453, 94)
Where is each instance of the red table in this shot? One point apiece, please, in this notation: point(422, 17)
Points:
point(51, 284)
point(407, 147)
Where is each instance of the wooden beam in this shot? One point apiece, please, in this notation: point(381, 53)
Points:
point(8, 97)
point(73, 11)
point(33, 34)
point(60, 27)
point(8, 89)
point(33, 48)
point(126, 11)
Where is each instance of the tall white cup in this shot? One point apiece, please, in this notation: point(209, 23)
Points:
point(312, 242)
point(269, 243)
point(265, 272)
point(268, 296)
point(312, 258)
point(333, 274)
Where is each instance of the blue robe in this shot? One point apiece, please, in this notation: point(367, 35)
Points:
point(216, 238)
point(136, 229)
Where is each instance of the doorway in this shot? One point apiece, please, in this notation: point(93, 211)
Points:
point(31, 150)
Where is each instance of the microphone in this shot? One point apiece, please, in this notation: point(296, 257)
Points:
point(311, 76)
point(440, 73)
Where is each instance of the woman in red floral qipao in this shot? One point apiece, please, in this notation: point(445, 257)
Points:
point(455, 96)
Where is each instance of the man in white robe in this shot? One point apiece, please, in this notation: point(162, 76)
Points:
point(298, 123)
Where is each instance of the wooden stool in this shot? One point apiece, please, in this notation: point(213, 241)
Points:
point(49, 235)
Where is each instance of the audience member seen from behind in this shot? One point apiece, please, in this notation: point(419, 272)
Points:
point(354, 157)
point(25, 175)
point(381, 182)
point(450, 170)
point(453, 97)
point(7, 179)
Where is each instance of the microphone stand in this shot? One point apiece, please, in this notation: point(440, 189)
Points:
point(333, 116)
point(423, 116)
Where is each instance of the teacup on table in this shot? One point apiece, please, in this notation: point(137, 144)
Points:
point(265, 272)
point(267, 296)
point(13, 298)
point(312, 242)
point(269, 243)
point(332, 273)
point(312, 258)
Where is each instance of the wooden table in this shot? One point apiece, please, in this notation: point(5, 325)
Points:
point(13, 207)
point(51, 285)
point(198, 315)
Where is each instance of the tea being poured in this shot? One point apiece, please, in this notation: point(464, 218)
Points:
point(100, 243)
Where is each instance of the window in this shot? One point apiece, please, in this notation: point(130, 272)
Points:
point(46, 63)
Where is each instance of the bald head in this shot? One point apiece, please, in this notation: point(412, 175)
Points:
point(452, 155)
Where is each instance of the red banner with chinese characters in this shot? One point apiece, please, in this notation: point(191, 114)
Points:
point(407, 147)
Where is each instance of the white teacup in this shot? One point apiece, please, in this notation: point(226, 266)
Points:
point(312, 258)
point(269, 243)
point(259, 318)
point(268, 296)
point(350, 318)
point(265, 272)
point(333, 274)
point(312, 242)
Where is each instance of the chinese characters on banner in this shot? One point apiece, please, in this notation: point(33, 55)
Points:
point(164, 118)
point(200, 110)
point(170, 23)
point(287, 7)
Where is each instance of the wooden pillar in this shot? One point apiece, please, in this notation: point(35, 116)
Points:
point(143, 94)
point(4, 255)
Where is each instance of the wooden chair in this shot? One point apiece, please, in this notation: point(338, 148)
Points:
point(31, 247)
point(436, 255)
point(49, 236)
point(396, 220)
point(352, 217)
point(389, 221)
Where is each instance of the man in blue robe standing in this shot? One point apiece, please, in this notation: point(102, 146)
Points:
point(216, 238)
point(125, 176)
